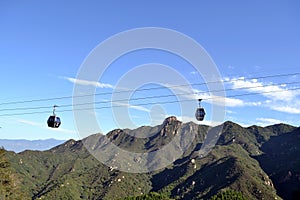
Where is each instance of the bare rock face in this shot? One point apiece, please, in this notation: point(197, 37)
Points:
point(114, 134)
point(170, 126)
point(169, 120)
point(267, 180)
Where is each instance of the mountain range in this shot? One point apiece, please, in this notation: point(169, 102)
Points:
point(255, 162)
point(18, 145)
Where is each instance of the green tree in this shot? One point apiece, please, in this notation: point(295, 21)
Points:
point(8, 181)
point(150, 196)
point(228, 195)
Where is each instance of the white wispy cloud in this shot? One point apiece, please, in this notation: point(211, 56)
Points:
point(140, 108)
point(270, 121)
point(269, 90)
point(230, 111)
point(28, 122)
point(219, 100)
point(194, 94)
point(88, 83)
point(279, 96)
point(44, 126)
point(291, 109)
point(267, 121)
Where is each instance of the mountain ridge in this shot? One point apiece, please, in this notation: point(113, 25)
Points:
point(240, 160)
point(19, 145)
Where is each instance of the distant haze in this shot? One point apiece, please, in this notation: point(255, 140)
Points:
point(22, 145)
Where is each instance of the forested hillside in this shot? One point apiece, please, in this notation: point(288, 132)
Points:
point(254, 162)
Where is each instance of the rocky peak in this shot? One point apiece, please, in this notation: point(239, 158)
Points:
point(170, 125)
point(170, 120)
point(114, 134)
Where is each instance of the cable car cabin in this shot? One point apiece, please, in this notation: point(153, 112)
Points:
point(200, 113)
point(53, 121)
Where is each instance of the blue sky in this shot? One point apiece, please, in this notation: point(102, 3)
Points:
point(44, 43)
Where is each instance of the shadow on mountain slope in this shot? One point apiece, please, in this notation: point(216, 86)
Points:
point(281, 161)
